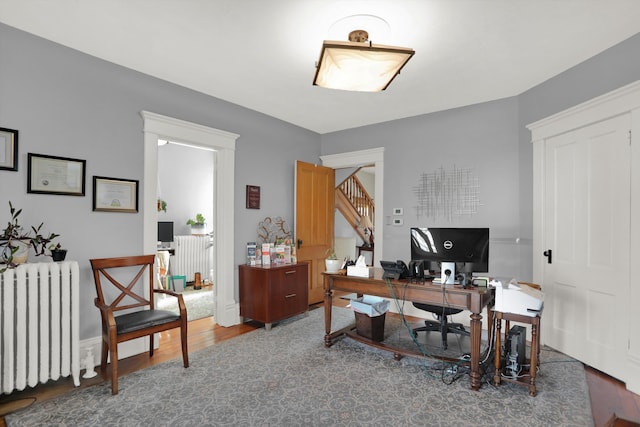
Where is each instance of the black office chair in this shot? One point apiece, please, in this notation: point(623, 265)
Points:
point(442, 324)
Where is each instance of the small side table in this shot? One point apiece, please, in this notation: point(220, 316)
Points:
point(525, 379)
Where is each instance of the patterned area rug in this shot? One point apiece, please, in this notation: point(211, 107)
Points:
point(286, 377)
point(199, 302)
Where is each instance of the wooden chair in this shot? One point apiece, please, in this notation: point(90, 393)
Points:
point(140, 318)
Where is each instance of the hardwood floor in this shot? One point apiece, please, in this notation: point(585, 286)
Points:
point(608, 396)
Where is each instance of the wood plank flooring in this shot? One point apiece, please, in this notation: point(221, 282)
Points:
point(608, 395)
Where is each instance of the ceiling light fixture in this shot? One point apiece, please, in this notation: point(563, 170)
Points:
point(359, 65)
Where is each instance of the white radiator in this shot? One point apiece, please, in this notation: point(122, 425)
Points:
point(193, 254)
point(39, 321)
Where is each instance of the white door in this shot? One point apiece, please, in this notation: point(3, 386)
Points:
point(586, 229)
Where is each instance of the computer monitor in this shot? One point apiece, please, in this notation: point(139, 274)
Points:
point(463, 249)
point(165, 232)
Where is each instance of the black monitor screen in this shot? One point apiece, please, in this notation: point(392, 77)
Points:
point(165, 231)
point(459, 245)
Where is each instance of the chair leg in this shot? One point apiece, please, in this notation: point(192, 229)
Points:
point(183, 338)
point(103, 358)
point(151, 345)
point(113, 354)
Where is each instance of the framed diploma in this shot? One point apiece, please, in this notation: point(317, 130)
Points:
point(55, 175)
point(115, 195)
point(8, 149)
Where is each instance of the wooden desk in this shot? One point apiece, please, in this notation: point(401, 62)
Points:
point(471, 299)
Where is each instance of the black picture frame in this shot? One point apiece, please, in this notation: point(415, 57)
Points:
point(8, 149)
point(115, 194)
point(55, 175)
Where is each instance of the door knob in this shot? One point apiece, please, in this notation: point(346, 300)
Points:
point(548, 253)
point(299, 243)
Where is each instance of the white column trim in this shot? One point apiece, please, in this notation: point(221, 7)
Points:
point(156, 126)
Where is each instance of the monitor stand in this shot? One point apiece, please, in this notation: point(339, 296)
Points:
point(451, 268)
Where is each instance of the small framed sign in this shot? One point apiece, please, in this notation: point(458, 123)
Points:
point(253, 197)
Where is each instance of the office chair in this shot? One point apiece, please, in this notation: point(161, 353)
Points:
point(442, 324)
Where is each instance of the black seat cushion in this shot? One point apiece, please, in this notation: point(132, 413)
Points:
point(143, 319)
point(437, 309)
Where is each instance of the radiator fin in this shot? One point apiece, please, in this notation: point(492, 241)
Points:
point(193, 254)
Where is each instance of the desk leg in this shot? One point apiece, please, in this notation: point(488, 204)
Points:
point(497, 362)
point(328, 304)
point(476, 338)
point(533, 358)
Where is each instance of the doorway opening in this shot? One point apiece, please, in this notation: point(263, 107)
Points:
point(186, 176)
point(226, 308)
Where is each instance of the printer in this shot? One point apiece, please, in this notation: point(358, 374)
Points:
point(517, 299)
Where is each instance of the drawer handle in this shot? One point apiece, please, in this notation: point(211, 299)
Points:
point(290, 295)
point(290, 272)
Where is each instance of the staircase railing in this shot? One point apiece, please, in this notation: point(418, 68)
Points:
point(353, 201)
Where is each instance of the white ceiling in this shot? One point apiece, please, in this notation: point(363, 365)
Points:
point(261, 54)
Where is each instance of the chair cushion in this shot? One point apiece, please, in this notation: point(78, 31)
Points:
point(143, 319)
point(437, 309)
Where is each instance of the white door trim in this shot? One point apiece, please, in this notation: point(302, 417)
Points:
point(156, 126)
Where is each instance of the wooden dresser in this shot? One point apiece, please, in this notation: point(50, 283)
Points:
point(273, 293)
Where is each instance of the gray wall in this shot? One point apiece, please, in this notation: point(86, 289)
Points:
point(481, 137)
point(185, 182)
point(69, 104)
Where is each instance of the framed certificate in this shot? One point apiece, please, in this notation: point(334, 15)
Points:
point(55, 175)
point(115, 195)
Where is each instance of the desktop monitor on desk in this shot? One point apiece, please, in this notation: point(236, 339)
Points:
point(451, 249)
point(165, 233)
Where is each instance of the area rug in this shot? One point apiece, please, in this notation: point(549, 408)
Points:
point(286, 377)
point(199, 302)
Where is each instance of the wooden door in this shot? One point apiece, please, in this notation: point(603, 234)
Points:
point(314, 217)
point(586, 227)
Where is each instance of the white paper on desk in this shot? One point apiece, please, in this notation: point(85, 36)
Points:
point(361, 262)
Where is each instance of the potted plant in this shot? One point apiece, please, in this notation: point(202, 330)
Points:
point(197, 225)
point(15, 242)
point(331, 262)
point(57, 253)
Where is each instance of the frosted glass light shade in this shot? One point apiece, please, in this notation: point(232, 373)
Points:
point(360, 67)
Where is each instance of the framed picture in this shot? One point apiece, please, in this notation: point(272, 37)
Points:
point(115, 194)
point(253, 197)
point(177, 283)
point(55, 175)
point(8, 149)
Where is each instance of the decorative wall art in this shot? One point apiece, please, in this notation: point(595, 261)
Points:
point(55, 175)
point(115, 195)
point(447, 194)
point(8, 149)
point(272, 230)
